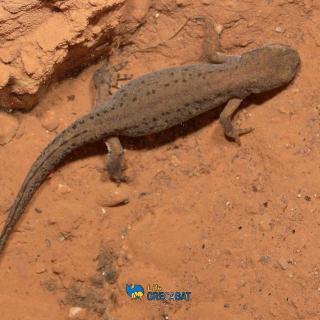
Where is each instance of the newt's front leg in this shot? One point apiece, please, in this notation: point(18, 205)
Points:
point(115, 164)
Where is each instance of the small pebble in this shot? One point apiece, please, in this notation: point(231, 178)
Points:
point(280, 29)
point(283, 263)
point(49, 120)
point(77, 313)
point(63, 189)
point(8, 129)
point(41, 268)
point(218, 28)
point(114, 197)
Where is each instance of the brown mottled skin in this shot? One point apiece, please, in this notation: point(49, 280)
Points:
point(160, 100)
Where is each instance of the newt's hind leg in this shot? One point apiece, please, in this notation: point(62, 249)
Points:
point(115, 164)
point(225, 119)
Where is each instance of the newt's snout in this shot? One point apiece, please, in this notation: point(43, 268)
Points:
point(284, 61)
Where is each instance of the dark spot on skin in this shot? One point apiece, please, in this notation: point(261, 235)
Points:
point(176, 81)
point(98, 114)
point(204, 77)
point(187, 104)
point(153, 91)
point(184, 80)
point(121, 104)
point(91, 117)
point(178, 109)
point(171, 73)
point(135, 99)
point(199, 74)
point(167, 85)
point(148, 93)
point(154, 119)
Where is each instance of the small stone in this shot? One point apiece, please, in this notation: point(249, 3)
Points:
point(49, 120)
point(8, 128)
point(218, 28)
point(40, 268)
point(117, 196)
point(63, 189)
point(77, 313)
point(280, 29)
point(283, 264)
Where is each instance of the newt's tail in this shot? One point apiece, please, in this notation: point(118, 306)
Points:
point(68, 140)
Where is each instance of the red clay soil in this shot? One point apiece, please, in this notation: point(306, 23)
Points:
point(238, 226)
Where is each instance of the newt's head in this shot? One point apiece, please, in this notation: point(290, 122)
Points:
point(273, 66)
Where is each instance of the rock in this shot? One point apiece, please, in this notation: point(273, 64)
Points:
point(63, 189)
point(39, 39)
point(49, 120)
point(8, 128)
point(280, 29)
point(283, 264)
point(41, 268)
point(218, 28)
point(115, 196)
point(77, 313)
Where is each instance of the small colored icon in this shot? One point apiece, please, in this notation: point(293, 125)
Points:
point(134, 291)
